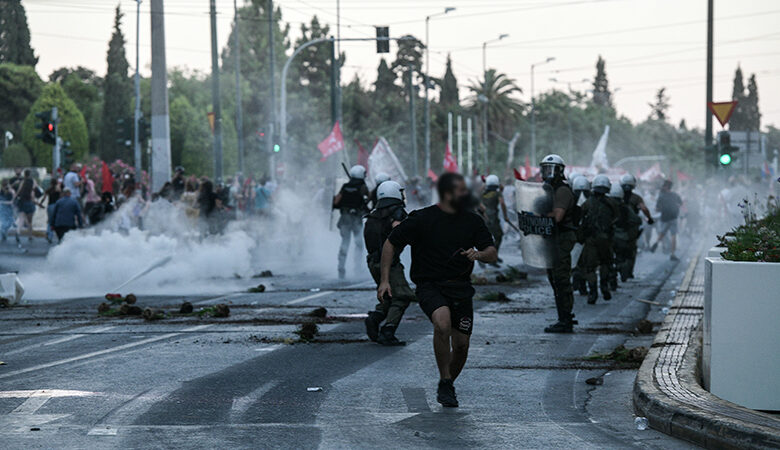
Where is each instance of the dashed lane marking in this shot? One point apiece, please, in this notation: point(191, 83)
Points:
point(102, 352)
point(308, 297)
point(56, 341)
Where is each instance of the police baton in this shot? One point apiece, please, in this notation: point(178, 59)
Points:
point(344, 166)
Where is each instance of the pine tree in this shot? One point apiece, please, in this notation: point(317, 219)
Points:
point(117, 95)
point(15, 35)
point(739, 121)
point(409, 55)
point(753, 115)
point(449, 87)
point(659, 109)
point(601, 94)
point(385, 81)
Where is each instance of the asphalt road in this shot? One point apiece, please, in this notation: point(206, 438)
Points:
point(73, 379)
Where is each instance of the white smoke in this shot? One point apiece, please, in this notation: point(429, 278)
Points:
point(295, 239)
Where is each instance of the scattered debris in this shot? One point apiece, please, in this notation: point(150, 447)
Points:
point(487, 342)
point(649, 302)
point(114, 298)
point(103, 308)
point(307, 331)
point(493, 297)
point(665, 310)
point(595, 381)
point(263, 274)
point(479, 281)
point(4, 302)
point(645, 326)
point(314, 290)
point(221, 310)
point(130, 310)
point(2, 363)
point(35, 429)
point(186, 308)
point(641, 423)
point(319, 312)
point(314, 389)
point(130, 299)
point(511, 275)
point(11, 288)
point(153, 314)
point(258, 288)
point(622, 354)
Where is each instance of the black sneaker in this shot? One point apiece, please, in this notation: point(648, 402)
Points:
point(606, 293)
point(387, 338)
point(560, 327)
point(674, 258)
point(372, 325)
point(653, 247)
point(446, 394)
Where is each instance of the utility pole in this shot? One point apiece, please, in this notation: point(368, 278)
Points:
point(239, 112)
point(468, 146)
point(426, 79)
point(160, 161)
point(533, 109)
point(413, 120)
point(460, 143)
point(215, 100)
point(137, 82)
point(449, 130)
point(272, 70)
point(334, 109)
point(55, 153)
point(709, 156)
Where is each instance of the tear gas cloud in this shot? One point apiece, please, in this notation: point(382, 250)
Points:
point(294, 239)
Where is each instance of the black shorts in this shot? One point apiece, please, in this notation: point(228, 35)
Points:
point(455, 295)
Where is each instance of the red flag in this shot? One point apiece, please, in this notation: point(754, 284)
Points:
point(108, 179)
point(433, 176)
point(83, 171)
point(333, 143)
point(682, 176)
point(450, 165)
point(362, 157)
point(517, 175)
point(528, 173)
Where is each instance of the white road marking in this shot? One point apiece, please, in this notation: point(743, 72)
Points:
point(51, 393)
point(269, 348)
point(31, 405)
point(103, 431)
point(242, 404)
point(367, 283)
point(102, 352)
point(308, 297)
point(56, 341)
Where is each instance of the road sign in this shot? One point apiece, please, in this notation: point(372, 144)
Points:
point(722, 110)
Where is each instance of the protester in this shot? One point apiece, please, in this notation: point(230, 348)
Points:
point(52, 194)
point(72, 181)
point(102, 209)
point(445, 239)
point(6, 209)
point(668, 205)
point(66, 215)
point(178, 183)
point(263, 194)
point(25, 202)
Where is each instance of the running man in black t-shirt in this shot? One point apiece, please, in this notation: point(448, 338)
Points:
point(446, 239)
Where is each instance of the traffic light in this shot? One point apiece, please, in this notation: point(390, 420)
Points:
point(727, 153)
point(123, 133)
point(277, 148)
point(144, 130)
point(383, 39)
point(47, 127)
point(67, 154)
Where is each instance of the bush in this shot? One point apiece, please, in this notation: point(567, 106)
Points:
point(758, 239)
point(16, 155)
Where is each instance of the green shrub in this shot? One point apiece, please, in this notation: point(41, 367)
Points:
point(758, 239)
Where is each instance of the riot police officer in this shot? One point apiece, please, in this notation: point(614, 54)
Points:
point(637, 204)
point(581, 186)
point(563, 214)
point(492, 200)
point(388, 213)
point(351, 203)
point(596, 229)
point(380, 178)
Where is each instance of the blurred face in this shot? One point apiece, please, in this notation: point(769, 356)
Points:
point(459, 196)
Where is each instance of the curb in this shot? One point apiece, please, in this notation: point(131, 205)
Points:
point(667, 390)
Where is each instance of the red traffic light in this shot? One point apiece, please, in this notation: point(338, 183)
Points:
point(50, 126)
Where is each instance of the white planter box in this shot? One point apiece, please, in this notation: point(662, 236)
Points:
point(715, 252)
point(740, 356)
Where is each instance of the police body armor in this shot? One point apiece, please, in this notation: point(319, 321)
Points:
point(379, 224)
point(628, 225)
point(491, 202)
point(353, 199)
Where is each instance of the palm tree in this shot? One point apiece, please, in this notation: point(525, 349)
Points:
point(497, 92)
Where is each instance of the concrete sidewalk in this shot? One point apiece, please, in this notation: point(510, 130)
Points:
point(668, 391)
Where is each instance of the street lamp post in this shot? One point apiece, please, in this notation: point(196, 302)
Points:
point(484, 50)
point(137, 87)
point(570, 156)
point(533, 109)
point(426, 78)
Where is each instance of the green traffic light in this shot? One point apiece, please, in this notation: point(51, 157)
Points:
point(277, 148)
point(725, 159)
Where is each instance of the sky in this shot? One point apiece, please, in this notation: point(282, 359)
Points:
point(647, 44)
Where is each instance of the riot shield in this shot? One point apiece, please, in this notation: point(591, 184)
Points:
point(534, 202)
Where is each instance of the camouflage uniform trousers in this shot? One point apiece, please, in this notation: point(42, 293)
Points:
point(350, 226)
point(625, 256)
point(392, 311)
point(597, 255)
point(497, 232)
point(560, 274)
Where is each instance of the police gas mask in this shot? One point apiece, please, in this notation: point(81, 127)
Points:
point(551, 173)
point(627, 188)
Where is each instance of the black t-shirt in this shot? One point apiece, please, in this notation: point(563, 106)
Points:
point(669, 204)
point(437, 238)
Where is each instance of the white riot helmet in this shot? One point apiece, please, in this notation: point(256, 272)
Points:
point(552, 167)
point(628, 182)
point(601, 184)
point(615, 191)
point(358, 172)
point(492, 181)
point(389, 192)
point(381, 177)
point(580, 184)
point(573, 176)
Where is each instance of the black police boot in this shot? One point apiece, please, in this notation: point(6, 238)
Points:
point(387, 337)
point(561, 326)
point(593, 293)
point(446, 394)
point(605, 291)
point(372, 324)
